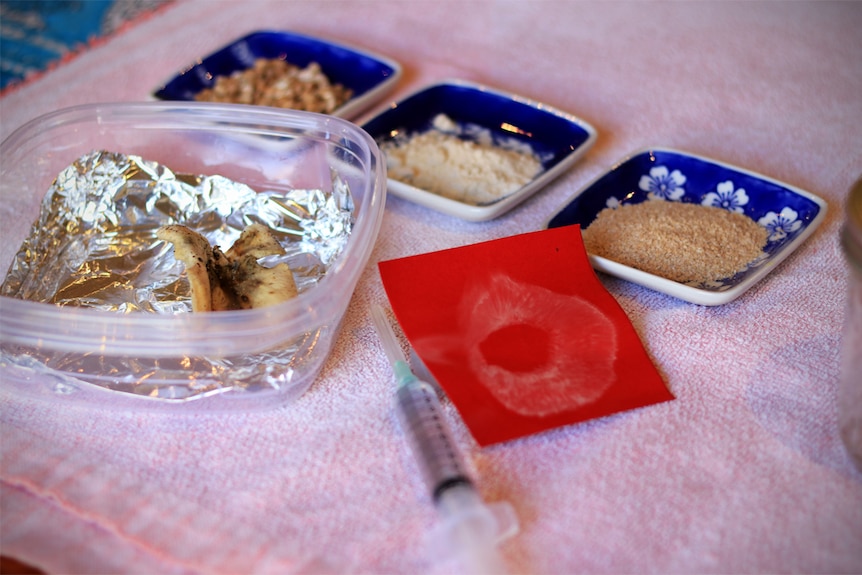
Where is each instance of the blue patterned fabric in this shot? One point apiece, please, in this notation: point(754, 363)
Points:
point(37, 33)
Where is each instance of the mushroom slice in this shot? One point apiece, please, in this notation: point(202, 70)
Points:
point(231, 280)
point(258, 286)
point(194, 251)
point(256, 240)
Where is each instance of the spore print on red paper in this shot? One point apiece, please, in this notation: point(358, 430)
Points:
point(521, 335)
point(522, 353)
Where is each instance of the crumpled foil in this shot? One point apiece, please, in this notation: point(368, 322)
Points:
point(94, 245)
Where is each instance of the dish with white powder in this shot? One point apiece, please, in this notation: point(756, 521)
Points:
point(472, 152)
point(446, 161)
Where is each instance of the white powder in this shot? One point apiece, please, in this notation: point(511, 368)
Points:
point(476, 171)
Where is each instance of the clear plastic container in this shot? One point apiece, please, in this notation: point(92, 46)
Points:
point(850, 389)
point(62, 352)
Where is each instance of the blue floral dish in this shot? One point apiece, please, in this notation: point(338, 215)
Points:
point(789, 214)
point(557, 138)
point(368, 75)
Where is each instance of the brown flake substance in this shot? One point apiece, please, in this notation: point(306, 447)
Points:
point(277, 83)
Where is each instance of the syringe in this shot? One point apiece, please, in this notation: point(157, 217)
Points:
point(470, 528)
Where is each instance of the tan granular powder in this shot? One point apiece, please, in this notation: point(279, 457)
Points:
point(681, 242)
point(471, 171)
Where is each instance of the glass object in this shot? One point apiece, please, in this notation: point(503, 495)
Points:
point(850, 389)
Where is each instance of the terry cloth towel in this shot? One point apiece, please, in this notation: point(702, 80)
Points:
point(743, 472)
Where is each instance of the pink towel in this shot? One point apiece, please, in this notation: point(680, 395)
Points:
point(743, 472)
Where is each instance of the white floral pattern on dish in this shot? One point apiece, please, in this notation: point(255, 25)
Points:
point(726, 197)
point(662, 184)
point(780, 225)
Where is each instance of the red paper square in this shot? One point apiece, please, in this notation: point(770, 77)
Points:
point(521, 334)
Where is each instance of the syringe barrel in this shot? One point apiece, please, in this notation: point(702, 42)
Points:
point(431, 441)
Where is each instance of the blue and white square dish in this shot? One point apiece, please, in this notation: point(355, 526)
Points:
point(556, 138)
point(369, 76)
point(789, 214)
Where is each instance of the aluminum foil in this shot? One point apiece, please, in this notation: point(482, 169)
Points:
point(94, 245)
